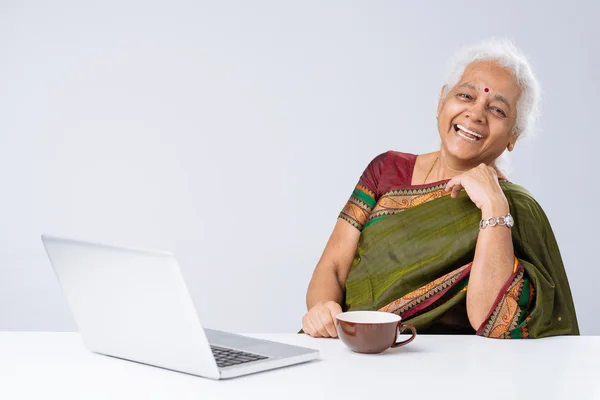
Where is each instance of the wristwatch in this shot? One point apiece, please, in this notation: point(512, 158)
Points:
point(505, 220)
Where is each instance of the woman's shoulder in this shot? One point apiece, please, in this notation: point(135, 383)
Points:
point(391, 169)
point(395, 158)
point(519, 196)
point(517, 191)
point(394, 155)
point(525, 209)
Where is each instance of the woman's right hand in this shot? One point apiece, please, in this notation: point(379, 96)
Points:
point(319, 321)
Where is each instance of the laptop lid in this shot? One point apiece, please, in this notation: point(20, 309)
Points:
point(132, 304)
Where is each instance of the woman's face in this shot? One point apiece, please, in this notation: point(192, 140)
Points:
point(476, 119)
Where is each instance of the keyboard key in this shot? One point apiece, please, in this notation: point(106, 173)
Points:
point(229, 357)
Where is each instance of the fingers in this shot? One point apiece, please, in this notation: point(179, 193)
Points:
point(320, 320)
point(455, 186)
point(334, 310)
point(316, 320)
point(472, 181)
point(327, 321)
point(451, 183)
point(311, 323)
point(308, 327)
point(456, 190)
point(334, 307)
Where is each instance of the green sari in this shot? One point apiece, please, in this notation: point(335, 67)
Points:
point(416, 263)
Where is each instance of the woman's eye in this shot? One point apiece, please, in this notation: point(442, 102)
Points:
point(465, 96)
point(499, 111)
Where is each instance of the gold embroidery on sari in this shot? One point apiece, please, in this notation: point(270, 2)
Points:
point(413, 299)
point(355, 214)
point(395, 201)
point(365, 190)
point(506, 315)
point(357, 211)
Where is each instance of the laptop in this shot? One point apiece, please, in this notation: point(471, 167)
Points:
point(134, 304)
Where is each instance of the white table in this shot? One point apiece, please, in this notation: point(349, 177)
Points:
point(41, 365)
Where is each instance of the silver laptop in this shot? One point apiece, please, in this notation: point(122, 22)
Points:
point(134, 304)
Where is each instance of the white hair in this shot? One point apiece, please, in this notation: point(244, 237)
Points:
point(508, 56)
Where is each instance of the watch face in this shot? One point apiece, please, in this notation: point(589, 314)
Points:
point(509, 221)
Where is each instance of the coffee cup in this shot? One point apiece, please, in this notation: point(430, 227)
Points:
point(371, 332)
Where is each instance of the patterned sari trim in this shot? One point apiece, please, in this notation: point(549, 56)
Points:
point(359, 207)
point(460, 287)
point(508, 319)
point(415, 192)
point(372, 221)
point(366, 191)
point(396, 253)
point(395, 201)
point(363, 210)
point(418, 300)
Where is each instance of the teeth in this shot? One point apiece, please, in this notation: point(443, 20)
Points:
point(465, 136)
point(462, 128)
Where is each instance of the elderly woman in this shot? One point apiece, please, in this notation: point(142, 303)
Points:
point(444, 239)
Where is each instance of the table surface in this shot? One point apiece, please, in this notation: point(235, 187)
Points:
point(57, 365)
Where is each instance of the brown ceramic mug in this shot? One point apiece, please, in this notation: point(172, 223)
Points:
point(371, 331)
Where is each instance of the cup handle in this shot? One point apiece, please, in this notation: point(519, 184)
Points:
point(401, 327)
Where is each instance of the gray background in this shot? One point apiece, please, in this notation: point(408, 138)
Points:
point(232, 133)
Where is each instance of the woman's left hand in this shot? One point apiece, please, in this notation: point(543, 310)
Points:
point(481, 185)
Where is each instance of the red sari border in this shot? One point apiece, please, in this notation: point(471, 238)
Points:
point(501, 295)
point(423, 297)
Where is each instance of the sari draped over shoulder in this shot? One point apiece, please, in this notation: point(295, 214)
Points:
point(416, 249)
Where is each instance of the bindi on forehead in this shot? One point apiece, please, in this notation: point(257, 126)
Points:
point(498, 96)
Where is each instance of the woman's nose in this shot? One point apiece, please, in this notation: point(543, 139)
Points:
point(476, 114)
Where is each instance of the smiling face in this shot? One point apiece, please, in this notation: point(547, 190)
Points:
point(477, 117)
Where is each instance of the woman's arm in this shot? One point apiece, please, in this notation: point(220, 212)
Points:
point(494, 254)
point(326, 289)
point(492, 265)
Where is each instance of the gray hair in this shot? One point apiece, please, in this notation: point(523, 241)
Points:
point(506, 55)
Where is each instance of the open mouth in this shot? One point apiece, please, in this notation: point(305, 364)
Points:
point(467, 134)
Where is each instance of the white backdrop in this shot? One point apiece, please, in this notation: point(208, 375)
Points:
point(232, 133)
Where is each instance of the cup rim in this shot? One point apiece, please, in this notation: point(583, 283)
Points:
point(348, 317)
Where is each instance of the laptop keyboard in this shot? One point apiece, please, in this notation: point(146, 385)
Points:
point(229, 357)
